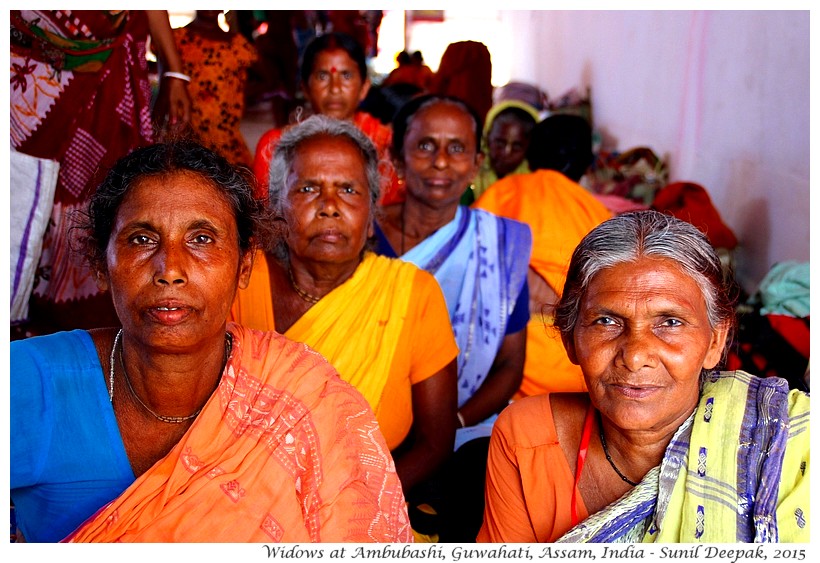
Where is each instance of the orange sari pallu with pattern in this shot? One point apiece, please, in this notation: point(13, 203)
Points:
point(283, 451)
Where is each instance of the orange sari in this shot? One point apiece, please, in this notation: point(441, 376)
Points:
point(559, 212)
point(284, 451)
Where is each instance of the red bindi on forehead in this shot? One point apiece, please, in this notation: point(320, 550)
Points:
point(333, 70)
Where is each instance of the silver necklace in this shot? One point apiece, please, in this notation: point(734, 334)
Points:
point(163, 418)
point(111, 368)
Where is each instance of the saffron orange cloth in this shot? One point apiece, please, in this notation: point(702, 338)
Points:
point(529, 484)
point(283, 451)
point(384, 329)
point(560, 213)
point(376, 131)
point(219, 71)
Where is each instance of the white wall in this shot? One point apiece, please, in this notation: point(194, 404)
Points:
point(724, 95)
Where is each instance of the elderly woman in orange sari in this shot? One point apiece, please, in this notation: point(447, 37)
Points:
point(381, 322)
point(179, 425)
point(664, 446)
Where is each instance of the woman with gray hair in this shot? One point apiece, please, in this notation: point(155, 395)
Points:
point(382, 323)
point(664, 448)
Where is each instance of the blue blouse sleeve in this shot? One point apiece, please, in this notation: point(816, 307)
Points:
point(521, 312)
point(29, 418)
point(67, 458)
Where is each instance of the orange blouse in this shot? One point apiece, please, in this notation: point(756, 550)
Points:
point(529, 482)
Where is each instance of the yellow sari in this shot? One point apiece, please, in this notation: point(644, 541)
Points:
point(372, 328)
point(372, 304)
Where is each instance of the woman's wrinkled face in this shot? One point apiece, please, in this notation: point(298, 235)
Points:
point(174, 261)
point(641, 339)
point(441, 154)
point(335, 86)
point(507, 143)
point(328, 207)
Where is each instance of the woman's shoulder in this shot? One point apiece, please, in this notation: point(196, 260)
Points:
point(270, 138)
point(294, 372)
point(424, 284)
point(282, 362)
point(65, 362)
point(380, 265)
point(242, 48)
point(74, 345)
point(740, 385)
point(380, 133)
point(537, 420)
point(514, 241)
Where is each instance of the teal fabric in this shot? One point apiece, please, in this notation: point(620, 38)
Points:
point(785, 290)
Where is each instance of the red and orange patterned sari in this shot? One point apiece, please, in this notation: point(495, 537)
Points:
point(79, 95)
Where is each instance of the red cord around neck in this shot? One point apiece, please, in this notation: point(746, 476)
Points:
point(579, 464)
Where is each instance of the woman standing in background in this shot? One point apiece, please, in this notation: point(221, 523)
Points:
point(217, 62)
point(80, 96)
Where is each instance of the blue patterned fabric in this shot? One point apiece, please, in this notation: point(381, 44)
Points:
point(480, 262)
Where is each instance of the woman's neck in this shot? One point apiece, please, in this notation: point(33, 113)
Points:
point(319, 278)
point(423, 219)
point(297, 285)
point(173, 384)
point(208, 28)
point(639, 451)
point(411, 222)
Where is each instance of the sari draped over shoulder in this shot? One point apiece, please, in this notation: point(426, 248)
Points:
point(384, 329)
point(736, 471)
point(377, 322)
point(480, 263)
point(284, 450)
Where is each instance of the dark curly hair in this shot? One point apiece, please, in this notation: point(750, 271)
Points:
point(183, 155)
